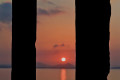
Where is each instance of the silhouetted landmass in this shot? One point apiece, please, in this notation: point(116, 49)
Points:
point(115, 67)
point(59, 66)
point(5, 66)
point(66, 66)
point(42, 65)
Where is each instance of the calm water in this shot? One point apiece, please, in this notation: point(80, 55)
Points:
point(56, 74)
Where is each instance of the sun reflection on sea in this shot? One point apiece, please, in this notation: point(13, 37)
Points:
point(63, 74)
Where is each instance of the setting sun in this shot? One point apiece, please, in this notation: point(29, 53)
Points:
point(63, 59)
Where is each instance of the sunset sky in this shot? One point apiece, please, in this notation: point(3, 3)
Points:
point(55, 31)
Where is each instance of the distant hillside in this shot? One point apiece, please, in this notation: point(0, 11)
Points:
point(115, 67)
point(67, 65)
point(42, 65)
point(5, 66)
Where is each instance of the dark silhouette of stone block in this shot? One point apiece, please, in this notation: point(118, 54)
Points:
point(23, 40)
point(92, 39)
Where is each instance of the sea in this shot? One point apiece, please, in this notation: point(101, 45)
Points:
point(56, 74)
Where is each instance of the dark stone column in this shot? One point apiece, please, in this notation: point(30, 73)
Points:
point(23, 40)
point(92, 39)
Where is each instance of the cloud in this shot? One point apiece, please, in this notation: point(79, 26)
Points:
point(55, 11)
point(42, 12)
point(49, 8)
point(58, 45)
point(49, 2)
point(62, 45)
point(6, 12)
